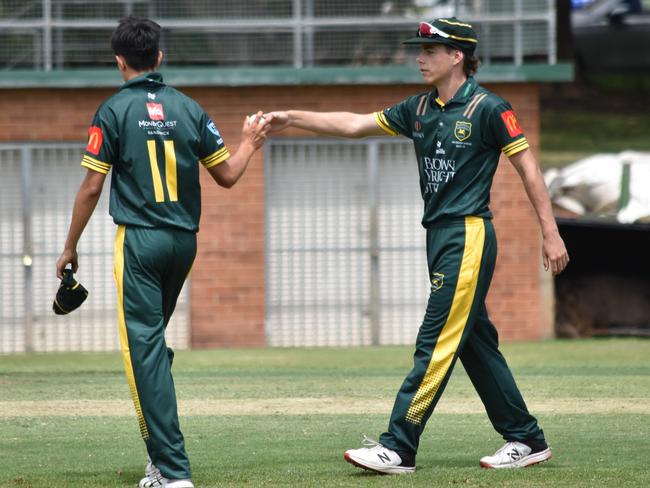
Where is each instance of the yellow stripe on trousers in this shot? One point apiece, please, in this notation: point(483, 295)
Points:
point(452, 331)
point(124, 338)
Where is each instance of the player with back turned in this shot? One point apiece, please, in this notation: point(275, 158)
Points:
point(459, 129)
point(152, 138)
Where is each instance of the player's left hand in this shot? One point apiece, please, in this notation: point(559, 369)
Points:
point(68, 256)
point(554, 253)
point(255, 130)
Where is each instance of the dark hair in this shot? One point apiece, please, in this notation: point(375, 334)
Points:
point(137, 40)
point(471, 63)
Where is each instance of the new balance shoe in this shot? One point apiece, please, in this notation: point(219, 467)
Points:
point(517, 455)
point(151, 469)
point(375, 457)
point(153, 478)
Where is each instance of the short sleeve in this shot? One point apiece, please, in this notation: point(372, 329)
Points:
point(508, 135)
point(212, 150)
point(102, 142)
point(396, 119)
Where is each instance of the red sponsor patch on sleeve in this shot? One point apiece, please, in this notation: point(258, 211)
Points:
point(509, 118)
point(95, 139)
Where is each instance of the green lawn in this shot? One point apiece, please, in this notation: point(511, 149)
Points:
point(568, 134)
point(283, 417)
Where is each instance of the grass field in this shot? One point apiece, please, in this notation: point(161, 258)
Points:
point(283, 417)
point(572, 133)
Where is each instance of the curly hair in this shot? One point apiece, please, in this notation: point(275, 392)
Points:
point(471, 64)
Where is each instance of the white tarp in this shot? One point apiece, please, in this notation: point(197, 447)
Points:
point(593, 186)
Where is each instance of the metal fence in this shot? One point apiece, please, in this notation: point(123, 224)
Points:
point(58, 34)
point(37, 189)
point(345, 251)
point(345, 258)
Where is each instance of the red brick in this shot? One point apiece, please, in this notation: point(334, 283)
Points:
point(228, 275)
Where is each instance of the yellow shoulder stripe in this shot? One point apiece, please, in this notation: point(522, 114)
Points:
point(214, 155)
point(471, 107)
point(382, 122)
point(95, 165)
point(102, 164)
point(515, 147)
point(215, 158)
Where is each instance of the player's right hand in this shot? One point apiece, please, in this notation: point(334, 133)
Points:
point(68, 256)
point(277, 120)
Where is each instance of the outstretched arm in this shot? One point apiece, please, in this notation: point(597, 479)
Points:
point(342, 124)
point(84, 206)
point(554, 252)
point(253, 135)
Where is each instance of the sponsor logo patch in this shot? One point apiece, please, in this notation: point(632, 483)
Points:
point(463, 130)
point(509, 118)
point(95, 139)
point(437, 280)
point(155, 111)
point(213, 128)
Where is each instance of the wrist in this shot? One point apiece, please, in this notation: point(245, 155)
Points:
point(550, 231)
point(247, 146)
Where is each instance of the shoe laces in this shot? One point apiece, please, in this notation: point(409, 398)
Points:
point(153, 475)
point(154, 481)
point(507, 448)
point(369, 443)
point(151, 470)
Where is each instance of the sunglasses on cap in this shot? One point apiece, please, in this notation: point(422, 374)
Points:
point(429, 31)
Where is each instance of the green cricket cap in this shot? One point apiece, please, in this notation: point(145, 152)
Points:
point(451, 32)
point(70, 295)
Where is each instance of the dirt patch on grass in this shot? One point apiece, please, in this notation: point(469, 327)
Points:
point(308, 406)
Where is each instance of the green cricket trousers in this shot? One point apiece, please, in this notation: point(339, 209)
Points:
point(150, 268)
point(461, 253)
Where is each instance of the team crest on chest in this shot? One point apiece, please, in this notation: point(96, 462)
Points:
point(463, 130)
point(437, 280)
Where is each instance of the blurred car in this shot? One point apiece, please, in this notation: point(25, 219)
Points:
point(612, 36)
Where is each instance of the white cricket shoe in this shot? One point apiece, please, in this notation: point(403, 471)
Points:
point(376, 457)
point(515, 455)
point(153, 478)
point(151, 469)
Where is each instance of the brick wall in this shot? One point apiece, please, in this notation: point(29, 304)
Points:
point(228, 275)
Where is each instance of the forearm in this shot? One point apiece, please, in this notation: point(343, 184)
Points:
point(342, 124)
point(84, 206)
point(531, 176)
point(537, 192)
point(228, 172)
point(554, 251)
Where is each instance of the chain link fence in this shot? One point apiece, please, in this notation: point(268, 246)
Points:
point(37, 189)
point(62, 34)
point(345, 251)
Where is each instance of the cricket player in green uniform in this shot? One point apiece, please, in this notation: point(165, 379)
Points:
point(153, 138)
point(459, 130)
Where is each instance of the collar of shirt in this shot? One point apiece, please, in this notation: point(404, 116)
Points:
point(145, 79)
point(462, 95)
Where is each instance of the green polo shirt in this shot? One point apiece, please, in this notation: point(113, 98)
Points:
point(457, 146)
point(153, 138)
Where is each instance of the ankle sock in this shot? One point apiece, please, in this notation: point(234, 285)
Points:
point(537, 445)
